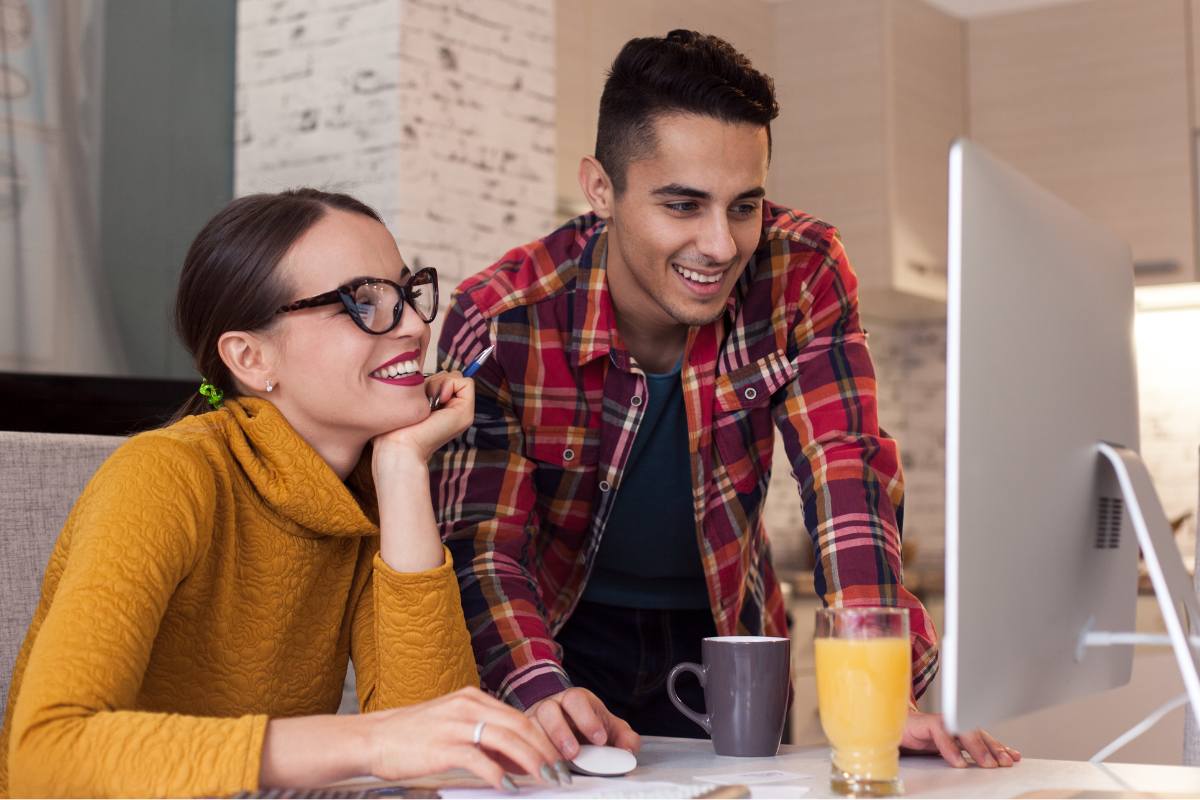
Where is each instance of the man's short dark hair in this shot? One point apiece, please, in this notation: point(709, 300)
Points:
point(682, 73)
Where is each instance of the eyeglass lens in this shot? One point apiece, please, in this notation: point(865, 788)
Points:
point(377, 303)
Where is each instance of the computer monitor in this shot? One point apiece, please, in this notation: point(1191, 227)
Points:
point(1040, 369)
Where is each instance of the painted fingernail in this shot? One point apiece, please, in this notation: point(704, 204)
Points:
point(509, 786)
point(564, 774)
point(548, 776)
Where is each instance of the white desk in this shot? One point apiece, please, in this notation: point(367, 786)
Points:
point(681, 760)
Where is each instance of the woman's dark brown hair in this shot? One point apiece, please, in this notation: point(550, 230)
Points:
point(231, 279)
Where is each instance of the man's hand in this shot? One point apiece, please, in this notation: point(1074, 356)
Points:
point(924, 733)
point(577, 714)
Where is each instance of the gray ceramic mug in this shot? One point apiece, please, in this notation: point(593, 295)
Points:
point(746, 681)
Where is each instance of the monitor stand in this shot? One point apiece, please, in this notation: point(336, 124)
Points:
point(1172, 585)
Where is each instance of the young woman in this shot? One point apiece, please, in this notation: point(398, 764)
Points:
point(212, 580)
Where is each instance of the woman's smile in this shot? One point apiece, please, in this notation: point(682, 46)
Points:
point(403, 370)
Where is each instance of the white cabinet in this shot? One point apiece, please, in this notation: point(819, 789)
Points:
point(1092, 100)
point(871, 96)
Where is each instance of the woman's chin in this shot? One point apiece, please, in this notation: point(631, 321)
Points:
point(384, 424)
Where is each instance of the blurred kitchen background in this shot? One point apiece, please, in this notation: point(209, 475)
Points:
point(127, 123)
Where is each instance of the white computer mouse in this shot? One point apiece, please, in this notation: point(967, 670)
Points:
point(602, 762)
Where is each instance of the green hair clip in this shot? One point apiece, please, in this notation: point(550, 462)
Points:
point(214, 395)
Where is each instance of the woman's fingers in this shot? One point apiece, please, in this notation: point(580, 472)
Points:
point(500, 741)
point(506, 731)
point(446, 386)
point(475, 760)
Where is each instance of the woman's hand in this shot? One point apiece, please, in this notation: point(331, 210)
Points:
point(438, 735)
point(409, 540)
point(410, 742)
point(454, 415)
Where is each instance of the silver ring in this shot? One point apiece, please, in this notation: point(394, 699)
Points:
point(479, 733)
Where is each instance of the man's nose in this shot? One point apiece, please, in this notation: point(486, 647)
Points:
point(715, 241)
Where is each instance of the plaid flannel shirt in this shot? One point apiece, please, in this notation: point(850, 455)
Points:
point(523, 495)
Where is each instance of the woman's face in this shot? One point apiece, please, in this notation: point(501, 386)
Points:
point(326, 370)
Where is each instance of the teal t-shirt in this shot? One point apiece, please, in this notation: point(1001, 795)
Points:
point(649, 556)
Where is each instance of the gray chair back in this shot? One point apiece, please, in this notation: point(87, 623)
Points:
point(41, 477)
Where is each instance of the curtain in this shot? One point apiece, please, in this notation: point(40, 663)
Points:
point(55, 314)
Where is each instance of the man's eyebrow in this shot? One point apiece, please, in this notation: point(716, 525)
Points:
point(679, 190)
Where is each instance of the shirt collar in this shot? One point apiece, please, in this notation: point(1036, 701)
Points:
point(595, 333)
point(595, 327)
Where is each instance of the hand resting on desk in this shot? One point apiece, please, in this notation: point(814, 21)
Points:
point(409, 742)
point(925, 733)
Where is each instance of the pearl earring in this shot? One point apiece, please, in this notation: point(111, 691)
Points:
point(269, 387)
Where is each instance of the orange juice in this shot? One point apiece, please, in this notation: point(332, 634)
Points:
point(862, 691)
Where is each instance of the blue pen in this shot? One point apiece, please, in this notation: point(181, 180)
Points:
point(474, 366)
point(471, 369)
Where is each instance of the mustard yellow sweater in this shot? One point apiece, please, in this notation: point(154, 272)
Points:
point(213, 575)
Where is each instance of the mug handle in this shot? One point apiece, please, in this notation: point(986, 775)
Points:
point(700, 672)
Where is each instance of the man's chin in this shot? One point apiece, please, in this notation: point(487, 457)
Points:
point(697, 317)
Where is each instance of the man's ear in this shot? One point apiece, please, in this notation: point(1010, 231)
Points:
point(250, 358)
point(597, 187)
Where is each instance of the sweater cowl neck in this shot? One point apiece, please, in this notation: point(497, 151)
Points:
point(292, 480)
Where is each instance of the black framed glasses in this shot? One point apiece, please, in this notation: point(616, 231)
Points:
point(377, 304)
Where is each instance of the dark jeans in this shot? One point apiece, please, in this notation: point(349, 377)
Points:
point(624, 656)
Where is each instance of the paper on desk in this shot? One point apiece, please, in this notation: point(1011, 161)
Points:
point(777, 791)
point(751, 778)
point(582, 788)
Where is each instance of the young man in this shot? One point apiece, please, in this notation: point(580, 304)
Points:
point(605, 510)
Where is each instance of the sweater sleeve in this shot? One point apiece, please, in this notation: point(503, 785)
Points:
point(135, 534)
point(410, 642)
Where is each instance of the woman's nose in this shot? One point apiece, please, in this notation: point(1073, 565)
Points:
point(411, 325)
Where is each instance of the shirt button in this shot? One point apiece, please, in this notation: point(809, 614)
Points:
point(568, 454)
point(636, 400)
point(750, 393)
point(605, 486)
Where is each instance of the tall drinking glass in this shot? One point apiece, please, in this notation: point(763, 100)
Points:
point(863, 684)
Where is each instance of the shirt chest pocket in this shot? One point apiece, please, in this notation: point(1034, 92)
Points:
point(565, 478)
point(743, 430)
point(563, 446)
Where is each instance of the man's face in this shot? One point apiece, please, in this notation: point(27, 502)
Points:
point(688, 221)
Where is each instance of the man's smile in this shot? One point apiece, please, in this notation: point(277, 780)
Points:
point(705, 284)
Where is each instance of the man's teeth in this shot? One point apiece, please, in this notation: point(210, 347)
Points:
point(696, 276)
point(400, 368)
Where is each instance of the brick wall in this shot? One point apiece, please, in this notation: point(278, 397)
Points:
point(318, 100)
point(477, 131)
point(439, 114)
